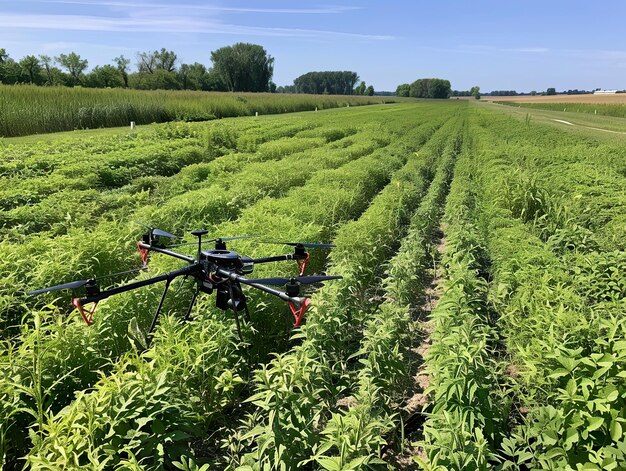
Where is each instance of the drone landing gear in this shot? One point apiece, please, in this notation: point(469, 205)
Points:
point(193, 301)
point(158, 311)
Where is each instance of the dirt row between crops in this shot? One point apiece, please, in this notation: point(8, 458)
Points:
point(418, 402)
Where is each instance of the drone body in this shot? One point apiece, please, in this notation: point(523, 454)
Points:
point(220, 271)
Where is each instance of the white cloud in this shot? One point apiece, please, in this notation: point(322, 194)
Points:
point(318, 10)
point(482, 49)
point(162, 23)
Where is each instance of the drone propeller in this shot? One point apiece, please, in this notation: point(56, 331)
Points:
point(71, 285)
point(80, 283)
point(307, 245)
point(223, 239)
point(303, 280)
point(157, 232)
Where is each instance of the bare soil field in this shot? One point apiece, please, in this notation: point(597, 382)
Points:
point(617, 99)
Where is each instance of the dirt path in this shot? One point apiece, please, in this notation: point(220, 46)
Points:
point(587, 127)
point(594, 125)
point(415, 405)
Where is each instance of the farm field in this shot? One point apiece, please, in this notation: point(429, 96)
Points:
point(478, 324)
point(599, 99)
point(28, 109)
point(604, 105)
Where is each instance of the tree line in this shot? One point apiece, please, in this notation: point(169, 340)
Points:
point(329, 83)
point(425, 88)
point(242, 67)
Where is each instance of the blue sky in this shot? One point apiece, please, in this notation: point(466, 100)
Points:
point(498, 45)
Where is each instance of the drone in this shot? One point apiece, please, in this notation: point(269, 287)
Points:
point(220, 271)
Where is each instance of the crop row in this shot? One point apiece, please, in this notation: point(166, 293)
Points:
point(197, 416)
point(297, 392)
point(356, 436)
point(606, 109)
point(75, 340)
point(557, 268)
point(466, 412)
point(528, 345)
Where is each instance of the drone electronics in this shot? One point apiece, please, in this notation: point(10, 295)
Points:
point(219, 270)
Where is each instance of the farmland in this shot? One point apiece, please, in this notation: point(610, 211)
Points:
point(478, 324)
point(605, 105)
point(28, 109)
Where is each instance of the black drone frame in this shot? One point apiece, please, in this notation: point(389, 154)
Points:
point(219, 270)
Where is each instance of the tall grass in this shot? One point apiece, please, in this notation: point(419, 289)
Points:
point(27, 109)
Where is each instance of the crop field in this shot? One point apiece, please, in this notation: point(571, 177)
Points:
point(598, 99)
point(479, 323)
point(605, 105)
point(28, 109)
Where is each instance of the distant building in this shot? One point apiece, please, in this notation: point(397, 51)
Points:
point(605, 92)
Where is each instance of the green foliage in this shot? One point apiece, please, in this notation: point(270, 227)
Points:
point(617, 110)
point(179, 176)
point(430, 88)
point(244, 67)
point(29, 109)
point(581, 427)
point(333, 83)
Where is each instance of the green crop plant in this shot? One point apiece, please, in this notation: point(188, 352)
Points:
point(355, 437)
point(296, 392)
point(30, 110)
point(291, 223)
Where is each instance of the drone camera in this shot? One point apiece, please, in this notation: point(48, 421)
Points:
point(224, 301)
point(205, 286)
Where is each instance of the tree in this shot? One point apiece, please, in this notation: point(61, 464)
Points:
point(475, 92)
point(149, 62)
point(74, 65)
point(192, 76)
point(10, 71)
point(551, 91)
point(333, 82)
point(122, 64)
point(244, 67)
point(3, 55)
point(105, 76)
point(430, 88)
point(369, 91)
point(158, 80)
point(403, 90)
point(30, 67)
point(360, 90)
point(46, 62)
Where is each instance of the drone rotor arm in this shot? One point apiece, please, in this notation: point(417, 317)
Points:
point(153, 248)
point(137, 284)
point(279, 258)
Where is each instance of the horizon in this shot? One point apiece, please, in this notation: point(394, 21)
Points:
point(522, 46)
